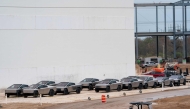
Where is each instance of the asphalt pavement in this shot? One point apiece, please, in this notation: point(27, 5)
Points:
point(120, 102)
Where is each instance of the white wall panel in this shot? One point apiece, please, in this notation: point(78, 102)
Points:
point(64, 22)
point(68, 3)
point(65, 40)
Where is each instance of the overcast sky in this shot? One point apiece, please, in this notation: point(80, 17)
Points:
point(147, 16)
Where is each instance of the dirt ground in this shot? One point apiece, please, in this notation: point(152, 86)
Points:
point(178, 102)
point(24, 106)
point(182, 102)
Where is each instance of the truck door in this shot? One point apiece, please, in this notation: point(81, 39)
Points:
point(112, 85)
point(70, 87)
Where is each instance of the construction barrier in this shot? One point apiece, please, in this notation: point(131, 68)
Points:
point(103, 99)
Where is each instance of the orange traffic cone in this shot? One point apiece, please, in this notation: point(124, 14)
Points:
point(103, 99)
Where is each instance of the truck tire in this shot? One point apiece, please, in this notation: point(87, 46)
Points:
point(184, 82)
point(119, 88)
point(90, 87)
point(146, 86)
point(25, 96)
point(78, 91)
point(171, 85)
point(107, 89)
point(129, 87)
point(154, 86)
point(51, 92)
point(178, 83)
point(35, 94)
point(17, 93)
point(96, 90)
point(65, 92)
point(140, 86)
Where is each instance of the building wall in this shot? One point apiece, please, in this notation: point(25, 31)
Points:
point(65, 40)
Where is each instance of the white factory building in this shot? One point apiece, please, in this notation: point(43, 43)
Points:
point(65, 40)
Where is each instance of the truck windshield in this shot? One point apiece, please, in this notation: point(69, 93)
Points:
point(143, 78)
point(105, 82)
point(160, 78)
point(174, 76)
point(126, 80)
point(87, 80)
point(62, 84)
point(33, 86)
point(43, 82)
point(15, 86)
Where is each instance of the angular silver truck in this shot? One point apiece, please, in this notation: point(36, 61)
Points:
point(132, 82)
point(89, 83)
point(149, 81)
point(36, 89)
point(67, 87)
point(15, 89)
point(178, 79)
point(108, 85)
point(165, 80)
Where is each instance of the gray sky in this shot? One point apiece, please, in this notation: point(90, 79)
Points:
point(147, 16)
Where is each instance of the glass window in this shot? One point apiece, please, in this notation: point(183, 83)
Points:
point(87, 80)
point(15, 86)
point(113, 81)
point(51, 82)
point(62, 84)
point(126, 80)
point(150, 78)
point(104, 82)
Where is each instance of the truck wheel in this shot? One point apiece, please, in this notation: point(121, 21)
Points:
point(184, 82)
point(65, 92)
point(129, 87)
point(17, 93)
point(35, 94)
point(146, 86)
point(154, 86)
point(119, 88)
point(25, 96)
point(178, 83)
point(55, 93)
point(140, 86)
point(90, 87)
point(171, 85)
point(107, 89)
point(96, 90)
point(78, 90)
point(51, 92)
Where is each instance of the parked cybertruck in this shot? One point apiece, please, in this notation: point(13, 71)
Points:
point(165, 80)
point(132, 82)
point(89, 83)
point(149, 81)
point(108, 85)
point(67, 87)
point(178, 79)
point(36, 89)
point(15, 89)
